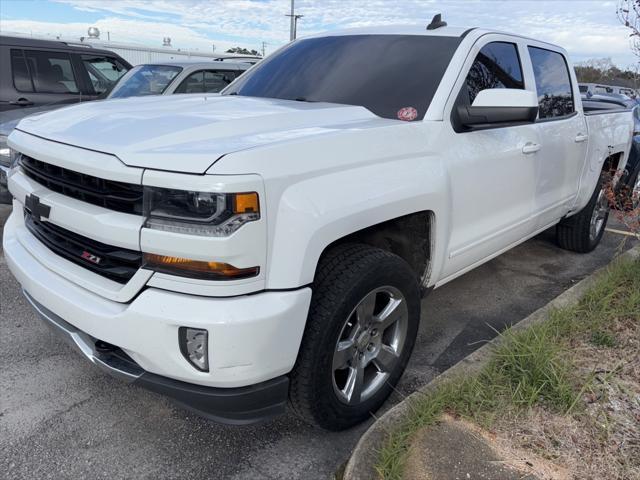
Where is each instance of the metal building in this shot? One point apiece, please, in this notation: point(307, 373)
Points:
point(136, 54)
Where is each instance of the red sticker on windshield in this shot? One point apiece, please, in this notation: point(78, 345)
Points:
point(407, 114)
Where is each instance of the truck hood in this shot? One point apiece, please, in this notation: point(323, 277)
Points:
point(188, 133)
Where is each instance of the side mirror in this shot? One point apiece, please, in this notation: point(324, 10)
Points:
point(499, 106)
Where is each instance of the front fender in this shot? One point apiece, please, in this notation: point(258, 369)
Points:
point(331, 183)
point(315, 212)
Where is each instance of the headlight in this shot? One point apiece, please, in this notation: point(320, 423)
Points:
point(199, 213)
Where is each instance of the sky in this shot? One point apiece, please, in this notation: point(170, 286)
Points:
point(586, 28)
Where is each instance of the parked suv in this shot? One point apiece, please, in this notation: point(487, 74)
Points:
point(38, 73)
point(41, 75)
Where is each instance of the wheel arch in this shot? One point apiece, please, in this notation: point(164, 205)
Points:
point(409, 236)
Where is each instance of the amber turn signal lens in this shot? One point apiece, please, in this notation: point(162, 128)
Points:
point(246, 203)
point(197, 268)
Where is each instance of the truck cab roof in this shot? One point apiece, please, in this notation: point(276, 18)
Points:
point(417, 29)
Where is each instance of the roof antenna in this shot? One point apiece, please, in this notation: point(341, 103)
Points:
point(436, 22)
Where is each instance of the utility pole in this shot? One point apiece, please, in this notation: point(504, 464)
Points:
point(292, 28)
point(264, 46)
point(294, 22)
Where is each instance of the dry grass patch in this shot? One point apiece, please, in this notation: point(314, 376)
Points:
point(563, 394)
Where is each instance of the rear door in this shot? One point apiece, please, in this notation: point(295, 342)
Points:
point(563, 135)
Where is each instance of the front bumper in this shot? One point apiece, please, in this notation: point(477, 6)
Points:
point(226, 405)
point(253, 339)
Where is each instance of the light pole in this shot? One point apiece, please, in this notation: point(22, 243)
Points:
point(294, 22)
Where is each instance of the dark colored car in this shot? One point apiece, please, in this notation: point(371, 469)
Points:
point(41, 75)
point(629, 182)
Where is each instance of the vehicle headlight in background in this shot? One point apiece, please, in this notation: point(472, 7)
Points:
point(199, 213)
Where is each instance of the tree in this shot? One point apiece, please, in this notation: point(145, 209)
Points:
point(243, 51)
point(629, 15)
point(602, 70)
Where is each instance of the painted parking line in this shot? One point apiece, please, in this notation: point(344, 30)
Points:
point(620, 232)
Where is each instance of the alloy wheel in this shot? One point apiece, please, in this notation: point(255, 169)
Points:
point(370, 345)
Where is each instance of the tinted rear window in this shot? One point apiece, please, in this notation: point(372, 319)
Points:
point(553, 83)
point(383, 73)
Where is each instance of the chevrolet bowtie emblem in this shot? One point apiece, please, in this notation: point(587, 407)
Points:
point(37, 209)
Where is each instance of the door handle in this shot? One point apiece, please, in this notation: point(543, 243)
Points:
point(22, 102)
point(581, 137)
point(530, 148)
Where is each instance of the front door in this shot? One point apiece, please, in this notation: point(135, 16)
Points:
point(492, 171)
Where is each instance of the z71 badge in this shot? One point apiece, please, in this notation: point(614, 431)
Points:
point(90, 257)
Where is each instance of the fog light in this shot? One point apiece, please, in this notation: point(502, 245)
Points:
point(194, 347)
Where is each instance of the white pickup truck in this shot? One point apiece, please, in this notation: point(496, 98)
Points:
point(271, 245)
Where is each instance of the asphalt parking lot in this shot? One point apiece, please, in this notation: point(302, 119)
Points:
point(62, 418)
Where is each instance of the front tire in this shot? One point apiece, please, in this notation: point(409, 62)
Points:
point(360, 332)
point(582, 232)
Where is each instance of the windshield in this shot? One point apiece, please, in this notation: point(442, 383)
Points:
point(388, 74)
point(145, 80)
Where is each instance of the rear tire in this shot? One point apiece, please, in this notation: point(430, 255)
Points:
point(360, 332)
point(583, 231)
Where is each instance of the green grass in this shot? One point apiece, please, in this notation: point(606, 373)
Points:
point(529, 367)
point(603, 339)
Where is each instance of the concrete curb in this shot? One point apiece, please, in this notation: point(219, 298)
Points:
point(361, 463)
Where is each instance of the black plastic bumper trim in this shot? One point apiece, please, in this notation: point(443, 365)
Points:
point(234, 406)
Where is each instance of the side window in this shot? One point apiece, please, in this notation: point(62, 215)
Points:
point(496, 66)
point(21, 77)
point(103, 71)
point(194, 83)
point(555, 96)
point(216, 80)
point(51, 72)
